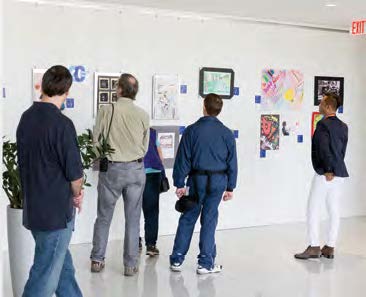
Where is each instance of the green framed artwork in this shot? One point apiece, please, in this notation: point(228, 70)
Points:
point(217, 80)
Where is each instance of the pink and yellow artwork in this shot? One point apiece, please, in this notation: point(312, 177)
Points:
point(282, 89)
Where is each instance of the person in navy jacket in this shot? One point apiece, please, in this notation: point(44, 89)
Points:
point(328, 151)
point(207, 156)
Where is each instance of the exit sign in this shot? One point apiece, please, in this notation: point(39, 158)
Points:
point(358, 27)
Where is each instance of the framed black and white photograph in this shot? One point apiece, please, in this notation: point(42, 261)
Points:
point(114, 97)
point(105, 87)
point(103, 97)
point(328, 84)
point(114, 83)
point(103, 83)
point(216, 80)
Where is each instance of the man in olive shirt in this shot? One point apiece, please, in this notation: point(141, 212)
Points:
point(129, 137)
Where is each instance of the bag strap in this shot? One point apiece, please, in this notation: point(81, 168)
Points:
point(110, 123)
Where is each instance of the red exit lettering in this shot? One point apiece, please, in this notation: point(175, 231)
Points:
point(358, 27)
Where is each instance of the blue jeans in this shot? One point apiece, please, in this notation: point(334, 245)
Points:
point(207, 207)
point(52, 271)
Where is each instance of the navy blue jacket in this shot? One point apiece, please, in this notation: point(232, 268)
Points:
point(206, 145)
point(329, 146)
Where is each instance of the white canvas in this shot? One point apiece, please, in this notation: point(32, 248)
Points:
point(167, 144)
point(165, 97)
point(37, 75)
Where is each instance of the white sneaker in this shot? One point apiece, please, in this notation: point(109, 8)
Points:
point(215, 269)
point(176, 267)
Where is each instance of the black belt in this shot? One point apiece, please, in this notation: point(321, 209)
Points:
point(138, 161)
point(208, 173)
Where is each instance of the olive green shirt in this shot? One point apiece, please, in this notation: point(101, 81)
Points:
point(129, 134)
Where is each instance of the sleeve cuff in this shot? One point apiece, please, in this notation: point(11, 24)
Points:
point(229, 189)
point(179, 183)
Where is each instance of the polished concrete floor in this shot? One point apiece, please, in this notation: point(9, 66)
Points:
point(258, 262)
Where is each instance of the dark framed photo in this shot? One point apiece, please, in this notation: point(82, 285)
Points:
point(114, 97)
point(103, 83)
point(328, 84)
point(114, 83)
point(103, 97)
point(217, 80)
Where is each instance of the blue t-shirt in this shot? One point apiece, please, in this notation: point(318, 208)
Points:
point(49, 159)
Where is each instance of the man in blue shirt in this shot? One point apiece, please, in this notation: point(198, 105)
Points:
point(207, 156)
point(328, 151)
point(51, 176)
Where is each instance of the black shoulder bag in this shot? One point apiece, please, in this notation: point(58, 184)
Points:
point(103, 163)
point(164, 184)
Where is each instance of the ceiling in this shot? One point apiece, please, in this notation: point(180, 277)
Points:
point(304, 12)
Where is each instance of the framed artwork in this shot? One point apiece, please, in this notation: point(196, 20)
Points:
point(282, 89)
point(290, 124)
point(168, 137)
point(37, 75)
point(328, 84)
point(114, 83)
point(217, 80)
point(114, 97)
point(105, 89)
point(315, 118)
point(270, 132)
point(165, 97)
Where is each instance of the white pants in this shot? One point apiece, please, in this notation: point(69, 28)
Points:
point(322, 190)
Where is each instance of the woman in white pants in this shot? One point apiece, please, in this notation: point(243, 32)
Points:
point(329, 145)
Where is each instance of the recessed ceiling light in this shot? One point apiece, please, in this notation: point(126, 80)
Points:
point(330, 5)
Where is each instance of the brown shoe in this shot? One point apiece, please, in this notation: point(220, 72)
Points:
point(97, 266)
point(131, 271)
point(328, 252)
point(312, 252)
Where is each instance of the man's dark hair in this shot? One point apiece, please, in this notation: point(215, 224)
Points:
point(56, 81)
point(129, 86)
point(333, 100)
point(213, 104)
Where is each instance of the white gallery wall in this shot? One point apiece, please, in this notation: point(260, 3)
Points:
point(270, 190)
point(2, 196)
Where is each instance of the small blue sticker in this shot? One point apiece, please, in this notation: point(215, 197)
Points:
point(70, 102)
point(300, 138)
point(4, 93)
point(236, 91)
point(183, 89)
point(258, 99)
point(340, 109)
point(78, 73)
point(181, 129)
point(236, 133)
point(262, 153)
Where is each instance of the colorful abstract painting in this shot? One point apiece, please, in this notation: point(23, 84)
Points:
point(315, 118)
point(270, 132)
point(282, 89)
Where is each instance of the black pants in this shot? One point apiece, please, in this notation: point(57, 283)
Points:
point(150, 207)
